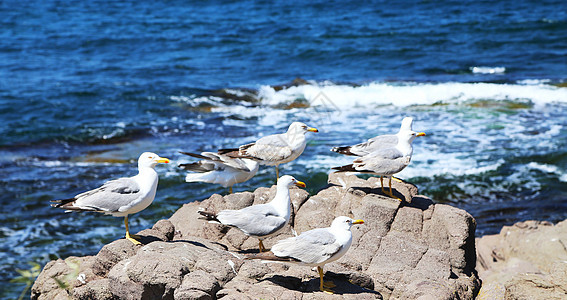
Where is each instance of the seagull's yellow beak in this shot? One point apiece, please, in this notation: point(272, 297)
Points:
point(358, 221)
point(312, 129)
point(421, 134)
point(300, 184)
point(163, 160)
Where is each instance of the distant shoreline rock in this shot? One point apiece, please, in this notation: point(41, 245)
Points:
point(411, 250)
point(525, 261)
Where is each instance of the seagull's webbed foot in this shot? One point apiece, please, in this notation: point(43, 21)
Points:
point(324, 286)
point(133, 238)
point(391, 195)
point(397, 179)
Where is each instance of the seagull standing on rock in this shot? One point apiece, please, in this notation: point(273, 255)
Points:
point(261, 220)
point(314, 248)
point(120, 197)
point(386, 161)
point(276, 149)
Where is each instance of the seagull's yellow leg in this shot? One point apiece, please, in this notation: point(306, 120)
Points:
point(382, 184)
point(230, 190)
point(132, 238)
point(322, 286)
point(391, 193)
point(277, 173)
point(261, 246)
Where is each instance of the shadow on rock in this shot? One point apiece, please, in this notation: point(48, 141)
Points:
point(420, 202)
point(343, 286)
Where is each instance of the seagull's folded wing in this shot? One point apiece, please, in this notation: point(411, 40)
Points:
point(311, 247)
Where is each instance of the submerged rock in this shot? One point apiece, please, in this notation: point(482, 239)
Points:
point(405, 250)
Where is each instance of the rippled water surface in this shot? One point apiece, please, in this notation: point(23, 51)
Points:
point(86, 87)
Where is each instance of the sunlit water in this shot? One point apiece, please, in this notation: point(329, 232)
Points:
point(85, 88)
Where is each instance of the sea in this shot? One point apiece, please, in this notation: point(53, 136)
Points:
point(87, 86)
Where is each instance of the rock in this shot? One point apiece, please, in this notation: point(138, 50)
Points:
point(413, 249)
point(68, 272)
point(525, 261)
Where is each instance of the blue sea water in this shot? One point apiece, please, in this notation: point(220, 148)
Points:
point(86, 86)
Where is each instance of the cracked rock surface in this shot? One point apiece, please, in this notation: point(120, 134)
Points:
point(525, 261)
point(413, 249)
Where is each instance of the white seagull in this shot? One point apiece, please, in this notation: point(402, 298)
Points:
point(385, 162)
point(377, 142)
point(315, 247)
point(219, 169)
point(120, 197)
point(261, 220)
point(276, 149)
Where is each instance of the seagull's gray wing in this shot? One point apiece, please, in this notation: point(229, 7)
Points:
point(269, 148)
point(202, 166)
point(311, 247)
point(384, 162)
point(214, 162)
point(110, 197)
point(257, 220)
point(371, 145)
point(235, 163)
point(381, 142)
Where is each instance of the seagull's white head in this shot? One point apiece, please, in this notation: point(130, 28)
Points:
point(288, 181)
point(150, 160)
point(406, 124)
point(344, 223)
point(409, 135)
point(300, 128)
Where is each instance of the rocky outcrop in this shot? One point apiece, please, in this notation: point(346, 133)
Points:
point(525, 261)
point(405, 250)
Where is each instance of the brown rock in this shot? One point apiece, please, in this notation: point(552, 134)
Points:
point(413, 249)
point(525, 261)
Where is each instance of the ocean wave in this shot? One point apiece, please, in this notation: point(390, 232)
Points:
point(339, 97)
point(403, 94)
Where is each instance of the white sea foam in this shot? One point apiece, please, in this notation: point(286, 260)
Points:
point(407, 94)
point(547, 169)
point(488, 70)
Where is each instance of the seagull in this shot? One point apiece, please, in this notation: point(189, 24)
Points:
point(385, 162)
point(276, 149)
point(315, 247)
point(377, 142)
point(120, 197)
point(220, 169)
point(261, 220)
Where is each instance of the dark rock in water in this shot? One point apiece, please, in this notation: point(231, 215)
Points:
point(525, 261)
point(405, 250)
